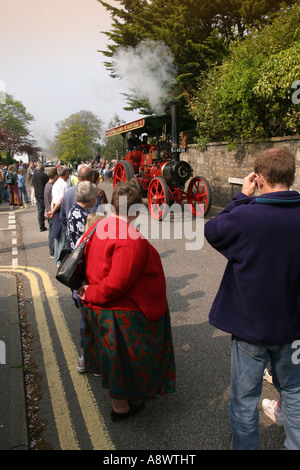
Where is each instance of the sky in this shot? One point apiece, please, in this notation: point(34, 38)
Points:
point(49, 61)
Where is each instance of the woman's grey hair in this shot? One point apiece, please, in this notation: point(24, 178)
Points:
point(86, 191)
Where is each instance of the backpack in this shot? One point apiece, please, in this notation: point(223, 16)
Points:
point(10, 179)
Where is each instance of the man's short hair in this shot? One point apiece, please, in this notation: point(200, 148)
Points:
point(52, 173)
point(85, 174)
point(62, 170)
point(277, 165)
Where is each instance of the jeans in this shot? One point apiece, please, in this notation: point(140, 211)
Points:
point(248, 362)
point(23, 192)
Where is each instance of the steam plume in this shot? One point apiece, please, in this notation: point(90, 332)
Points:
point(148, 71)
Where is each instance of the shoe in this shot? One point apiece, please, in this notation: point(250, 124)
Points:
point(267, 376)
point(43, 229)
point(134, 408)
point(272, 409)
point(80, 365)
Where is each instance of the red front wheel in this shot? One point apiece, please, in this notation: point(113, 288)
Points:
point(158, 198)
point(199, 196)
point(123, 172)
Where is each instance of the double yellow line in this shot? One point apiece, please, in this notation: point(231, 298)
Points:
point(94, 422)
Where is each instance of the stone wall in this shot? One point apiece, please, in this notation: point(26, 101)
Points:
point(217, 164)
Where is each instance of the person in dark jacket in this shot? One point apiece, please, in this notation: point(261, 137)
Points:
point(39, 181)
point(258, 301)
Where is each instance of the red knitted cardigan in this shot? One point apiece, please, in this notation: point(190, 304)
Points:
point(124, 271)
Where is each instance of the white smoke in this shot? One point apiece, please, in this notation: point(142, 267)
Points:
point(148, 71)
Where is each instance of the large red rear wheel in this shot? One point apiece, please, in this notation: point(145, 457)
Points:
point(199, 196)
point(123, 172)
point(158, 198)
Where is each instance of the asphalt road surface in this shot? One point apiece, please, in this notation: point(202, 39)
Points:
point(73, 407)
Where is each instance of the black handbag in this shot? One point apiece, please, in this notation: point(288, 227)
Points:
point(71, 271)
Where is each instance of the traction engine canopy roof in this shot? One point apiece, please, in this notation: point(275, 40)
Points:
point(152, 124)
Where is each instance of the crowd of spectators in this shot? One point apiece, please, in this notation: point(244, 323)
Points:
point(105, 167)
point(17, 195)
point(13, 184)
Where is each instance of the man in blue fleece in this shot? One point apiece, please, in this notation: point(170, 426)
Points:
point(258, 301)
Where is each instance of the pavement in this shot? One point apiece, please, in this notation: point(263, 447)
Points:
point(13, 410)
point(13, 413)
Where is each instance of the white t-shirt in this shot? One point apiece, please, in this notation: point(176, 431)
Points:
point(59, 188)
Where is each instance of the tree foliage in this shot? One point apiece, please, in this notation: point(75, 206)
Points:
point(77, 136)
point(250, 94)
point(197, 32)
point(14, 128)
point(114, 145)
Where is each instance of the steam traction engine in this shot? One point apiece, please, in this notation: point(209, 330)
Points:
point(157, 169)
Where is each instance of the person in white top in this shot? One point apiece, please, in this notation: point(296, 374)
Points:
point(59, 188)
point(57, 232)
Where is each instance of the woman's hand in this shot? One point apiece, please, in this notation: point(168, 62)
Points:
point(81, 291)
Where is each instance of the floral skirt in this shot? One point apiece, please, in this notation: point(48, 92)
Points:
point(134, 356)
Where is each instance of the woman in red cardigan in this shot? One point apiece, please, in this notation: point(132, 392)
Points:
point(128, 336)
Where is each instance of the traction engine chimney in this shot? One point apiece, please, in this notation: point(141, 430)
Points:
point(174, 111)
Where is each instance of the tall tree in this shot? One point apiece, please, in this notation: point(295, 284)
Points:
point(197, 32)
point(251, 94)
point(77, 136)
point(14, 128)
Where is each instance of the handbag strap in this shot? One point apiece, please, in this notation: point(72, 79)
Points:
point(86, 239)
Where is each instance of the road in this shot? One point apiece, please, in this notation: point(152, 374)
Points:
point(73, 408)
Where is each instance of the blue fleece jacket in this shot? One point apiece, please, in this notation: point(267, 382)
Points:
point(259, 296)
